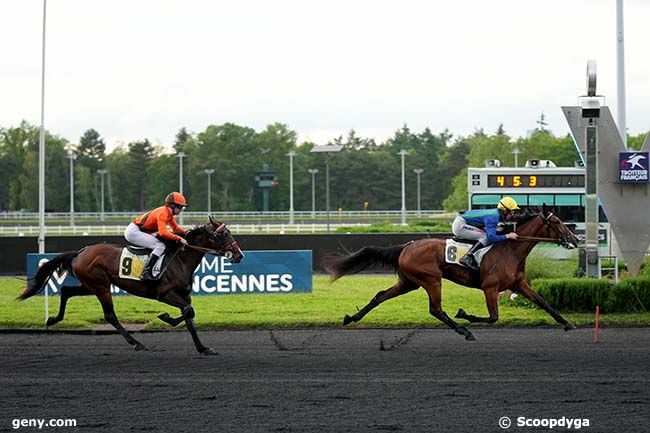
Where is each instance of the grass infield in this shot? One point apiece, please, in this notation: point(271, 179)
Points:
point(324, 307)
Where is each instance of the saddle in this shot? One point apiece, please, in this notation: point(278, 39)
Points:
point(134, 258)
point(456, 248)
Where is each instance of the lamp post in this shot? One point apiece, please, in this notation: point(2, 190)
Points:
point(327, 149)
point(403, 153)
point(209, 171)
point(291, 216)
point(41, 154)
point(418, 171)
point(516, 152)
point(102, 172)
point(313, 172)
point(180, 157)
point(72, 157)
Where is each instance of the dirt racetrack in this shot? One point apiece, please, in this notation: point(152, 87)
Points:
point(329, 381)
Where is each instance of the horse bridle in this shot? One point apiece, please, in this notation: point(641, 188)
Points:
point(225, 251)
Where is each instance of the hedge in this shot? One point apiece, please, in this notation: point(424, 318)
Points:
point(631, 295)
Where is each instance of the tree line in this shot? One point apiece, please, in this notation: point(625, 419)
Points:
point(364, 175)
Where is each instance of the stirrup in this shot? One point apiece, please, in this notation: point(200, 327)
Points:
point(469, 262)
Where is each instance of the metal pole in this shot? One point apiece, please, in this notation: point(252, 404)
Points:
point(102, 172)
point(209, 172)
point(620, 71)
point(418, 171)
point(403, 153)
point(291, 216)
point(327, 191)
point(180, 157)
point(41, 163)
point(313, 172)
point(72, 158)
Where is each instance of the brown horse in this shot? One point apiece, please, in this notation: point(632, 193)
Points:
point(422, 264)
point(97, 267)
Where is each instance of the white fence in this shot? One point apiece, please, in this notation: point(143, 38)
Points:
point(87, 230)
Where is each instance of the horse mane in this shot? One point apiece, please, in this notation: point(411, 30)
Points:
point(526, 216)
point(195, 231)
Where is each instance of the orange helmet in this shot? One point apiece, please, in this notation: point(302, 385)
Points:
point(175, 198)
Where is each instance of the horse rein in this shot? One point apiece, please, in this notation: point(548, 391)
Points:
point(210, 250)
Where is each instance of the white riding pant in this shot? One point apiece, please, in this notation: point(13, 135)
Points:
point(134, 235)
point(463, 230)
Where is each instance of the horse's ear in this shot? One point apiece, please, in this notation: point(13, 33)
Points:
point(213, 222)
point(544, 209)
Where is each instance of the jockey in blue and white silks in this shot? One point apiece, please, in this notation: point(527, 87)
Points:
point(481, 225)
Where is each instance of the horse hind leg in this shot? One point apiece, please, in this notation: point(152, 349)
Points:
point(106, 301)
point(401, 287)
point(67, 292)
point(435, 309)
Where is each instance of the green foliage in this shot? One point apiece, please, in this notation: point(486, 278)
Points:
point(539, 265)
point(364, 172)
point(630, 295)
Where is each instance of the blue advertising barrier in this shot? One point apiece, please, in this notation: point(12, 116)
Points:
point(259, 272)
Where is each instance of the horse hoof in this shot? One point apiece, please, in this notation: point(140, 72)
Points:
point(461, 314)
point(51, 321)
point(208, 351)
point(347, 320)
point(164, 317)
point(470, 337)
point(139, 346)
point(569, 327)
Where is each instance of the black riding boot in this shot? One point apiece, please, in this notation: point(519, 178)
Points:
point(469, 260)
point(147, 274)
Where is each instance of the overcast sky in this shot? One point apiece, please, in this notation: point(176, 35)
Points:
point(144, 69)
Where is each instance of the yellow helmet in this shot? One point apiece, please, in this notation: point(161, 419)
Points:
point(507, 203)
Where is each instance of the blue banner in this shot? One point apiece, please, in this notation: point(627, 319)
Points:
point(259, 272)
point(633, 167)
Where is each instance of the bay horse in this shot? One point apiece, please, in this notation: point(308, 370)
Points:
point(422, 263)
point(97, 267)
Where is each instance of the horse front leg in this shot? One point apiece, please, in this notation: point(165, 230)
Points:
point(492, 303)
point(528, 292)
point(187, 314)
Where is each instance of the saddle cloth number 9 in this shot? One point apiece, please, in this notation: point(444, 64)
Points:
point(131, 265)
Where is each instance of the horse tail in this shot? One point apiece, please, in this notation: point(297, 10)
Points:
point(57, 264)
point(339, 266)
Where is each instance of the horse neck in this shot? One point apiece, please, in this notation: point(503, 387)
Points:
point(190, 259)
point(530, 228)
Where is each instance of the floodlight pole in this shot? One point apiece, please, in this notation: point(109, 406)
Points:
point(418, 171)
point(327, 149)
point(620, 71)
point(209, 172)
point(291, 212)
point(102, 172)
point(403, 153)
point(72, 157)
point(313, 172)
point(180, 157)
